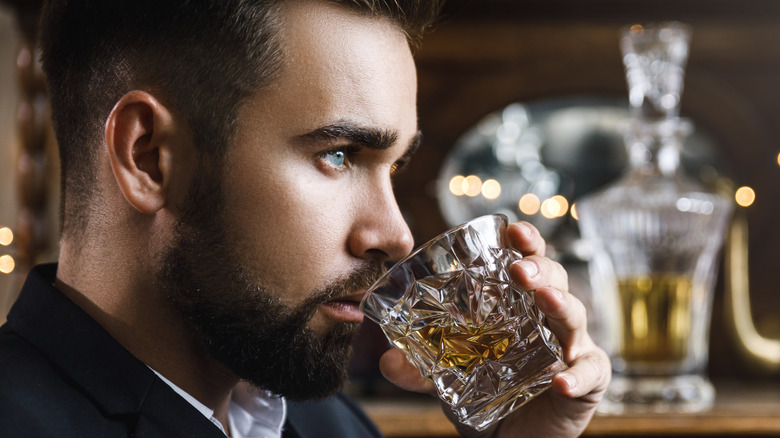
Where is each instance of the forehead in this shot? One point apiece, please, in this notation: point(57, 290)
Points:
point(340, 65)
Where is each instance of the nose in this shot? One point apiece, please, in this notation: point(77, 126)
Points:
point(380, 233)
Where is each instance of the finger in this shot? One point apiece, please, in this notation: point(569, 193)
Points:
point(525, 238)
point(588, 375)
point(397, 369)
point(534, 272)
point(566, 318)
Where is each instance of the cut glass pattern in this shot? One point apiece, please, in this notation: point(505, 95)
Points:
point(452, 308)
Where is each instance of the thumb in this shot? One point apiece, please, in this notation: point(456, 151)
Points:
point(397, 369)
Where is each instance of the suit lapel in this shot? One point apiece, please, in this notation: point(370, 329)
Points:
point(333, 416)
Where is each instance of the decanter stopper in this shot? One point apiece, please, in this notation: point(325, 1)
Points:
point(655, 58)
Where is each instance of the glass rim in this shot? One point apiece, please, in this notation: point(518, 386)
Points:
point(492, 216)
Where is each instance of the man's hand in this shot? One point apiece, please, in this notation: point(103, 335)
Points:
point(566, 409)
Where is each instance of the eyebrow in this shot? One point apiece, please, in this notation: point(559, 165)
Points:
point(374, 138)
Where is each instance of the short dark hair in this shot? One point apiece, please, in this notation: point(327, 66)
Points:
point(202, 58)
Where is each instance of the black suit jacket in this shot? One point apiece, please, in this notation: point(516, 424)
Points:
point(63, 375)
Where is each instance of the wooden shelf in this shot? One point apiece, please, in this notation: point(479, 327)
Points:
point(744, 410)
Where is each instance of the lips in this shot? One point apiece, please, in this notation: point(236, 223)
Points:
point(346, 308)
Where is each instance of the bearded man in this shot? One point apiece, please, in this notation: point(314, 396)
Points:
point(227, 200)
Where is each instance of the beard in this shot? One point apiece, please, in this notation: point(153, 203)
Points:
point(241, 323)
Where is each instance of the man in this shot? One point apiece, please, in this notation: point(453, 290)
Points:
point(227, 200)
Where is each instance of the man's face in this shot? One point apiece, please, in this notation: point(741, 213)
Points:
point(278, 248)
point(303, 209)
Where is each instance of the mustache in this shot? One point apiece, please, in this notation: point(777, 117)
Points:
point(359, 279)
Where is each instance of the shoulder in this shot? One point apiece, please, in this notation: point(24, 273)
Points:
point(36, 400)
point(23, 369)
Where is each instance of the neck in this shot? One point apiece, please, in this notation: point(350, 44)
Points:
point(654, 146)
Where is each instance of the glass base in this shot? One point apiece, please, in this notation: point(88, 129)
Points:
point(658, 394)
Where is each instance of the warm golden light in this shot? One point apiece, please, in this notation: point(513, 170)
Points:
point(529, 204)
point(456, 185)
point(745, 196)
point(778, 159)
point(556, 206)
point(637, 28)
point(491, 189)
point(7, 264)
point(472, 186)
point(574, 213)
point(563, 203)
point(6, 236)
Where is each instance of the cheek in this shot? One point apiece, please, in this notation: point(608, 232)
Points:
point(290, 230)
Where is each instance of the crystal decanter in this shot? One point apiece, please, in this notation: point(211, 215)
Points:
point(656, 234)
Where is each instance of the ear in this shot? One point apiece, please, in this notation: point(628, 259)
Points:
point(138, 135)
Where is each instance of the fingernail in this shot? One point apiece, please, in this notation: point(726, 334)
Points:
point(571, 381)
point(529, 267)
point(558, 294)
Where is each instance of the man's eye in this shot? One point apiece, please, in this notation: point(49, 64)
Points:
point(335, 157)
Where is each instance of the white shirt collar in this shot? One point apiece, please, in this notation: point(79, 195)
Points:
point(256, 413)
point(253, 413)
